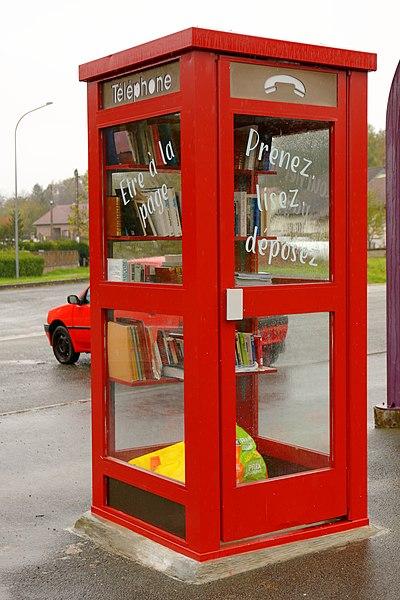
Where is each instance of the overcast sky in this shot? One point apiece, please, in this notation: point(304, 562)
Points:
point(43, 42)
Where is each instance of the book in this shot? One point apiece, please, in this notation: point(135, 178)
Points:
point(111, 152)
point(131, 221)
point(156, 144)
point(158, 219)
point(241, 136)
point(119, 352)
point(173, 260)
point(247, 368)
point(173, 371)
point(124, 147)
point(113, 216)
point(117, 269)
point(167, 214)
point(174, 213)
point(168, 275)
point(248, 279)
point(162, 347)
point(133, 356)
point(242, 213)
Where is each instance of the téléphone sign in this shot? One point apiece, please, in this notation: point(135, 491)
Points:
point(280, 84)
point(141, 86)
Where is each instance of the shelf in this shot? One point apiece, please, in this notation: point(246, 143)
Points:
point(256, 171)
point(143, 382)
point(259, 371)
point(140, 167)
point(141, 238)
point(243, 238)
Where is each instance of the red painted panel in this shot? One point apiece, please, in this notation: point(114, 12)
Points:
point(357, 295)
point(224, 43)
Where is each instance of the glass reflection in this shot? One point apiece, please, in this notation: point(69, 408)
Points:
point(281, 200)
point(283, 395)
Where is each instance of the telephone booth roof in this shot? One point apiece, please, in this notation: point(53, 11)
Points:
point(226, 43)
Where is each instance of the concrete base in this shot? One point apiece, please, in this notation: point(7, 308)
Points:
point(387, 418)
point(122, 541)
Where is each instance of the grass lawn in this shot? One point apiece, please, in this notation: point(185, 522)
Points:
point(56, 275)
point(377, 270)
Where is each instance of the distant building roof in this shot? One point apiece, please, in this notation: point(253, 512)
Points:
point(377, 183)
point(376, 172)
point(60, 215)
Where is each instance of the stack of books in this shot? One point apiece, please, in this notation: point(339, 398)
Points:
point(138, 352)
point(133, 270)
point(170, 346)
point(248, 352)
point(245, 279)
point(247, 136)
point(248, 216)
point(137, 143)
point(128, 220)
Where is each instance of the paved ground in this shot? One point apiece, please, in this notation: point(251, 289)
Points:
point(45, 457)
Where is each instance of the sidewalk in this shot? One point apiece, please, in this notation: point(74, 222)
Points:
point(46, 486)
point(10, 286)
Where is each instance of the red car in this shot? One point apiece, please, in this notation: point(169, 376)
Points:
point(68, 329)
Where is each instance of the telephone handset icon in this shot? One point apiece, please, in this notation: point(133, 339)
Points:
point(298, 86)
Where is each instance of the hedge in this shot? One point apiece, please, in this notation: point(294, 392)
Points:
point(29, 264)
point(81, 247)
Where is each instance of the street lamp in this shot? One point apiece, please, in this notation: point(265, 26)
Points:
point(16, 186)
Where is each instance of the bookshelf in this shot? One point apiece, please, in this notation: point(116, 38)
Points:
point(143, 201)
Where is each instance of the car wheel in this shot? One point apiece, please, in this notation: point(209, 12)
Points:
point(62, 346)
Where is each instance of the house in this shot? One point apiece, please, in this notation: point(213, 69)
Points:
point(377, 183)
point(377, 188)
point(54, 223)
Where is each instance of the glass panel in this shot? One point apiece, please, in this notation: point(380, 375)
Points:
point(281, 200)
point(145, 358)
point(282, 395)
point(143, 201)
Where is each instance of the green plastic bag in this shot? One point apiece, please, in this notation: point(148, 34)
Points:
point(250, 465)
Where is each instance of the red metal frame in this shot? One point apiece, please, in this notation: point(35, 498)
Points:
point(210, 495)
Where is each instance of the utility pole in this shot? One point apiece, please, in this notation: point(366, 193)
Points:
point(78, 214)
point(51, 211)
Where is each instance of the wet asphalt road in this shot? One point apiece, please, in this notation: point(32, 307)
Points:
point(45, 458)
point(29, 374)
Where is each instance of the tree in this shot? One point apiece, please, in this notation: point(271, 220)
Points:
point(6, 233)
point(78, 221)
point(376, 147)
point(376, 218)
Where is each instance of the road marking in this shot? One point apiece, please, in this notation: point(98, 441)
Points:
point(22, 362)
point(45, 407)
point(22, 336)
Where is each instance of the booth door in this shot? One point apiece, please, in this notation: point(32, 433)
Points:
point(283, 316)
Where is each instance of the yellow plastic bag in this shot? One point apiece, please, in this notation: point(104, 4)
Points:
point(169, 461)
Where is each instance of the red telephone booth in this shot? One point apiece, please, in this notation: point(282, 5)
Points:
point(227, 178)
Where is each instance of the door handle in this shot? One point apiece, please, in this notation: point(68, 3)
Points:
point(234, 304)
